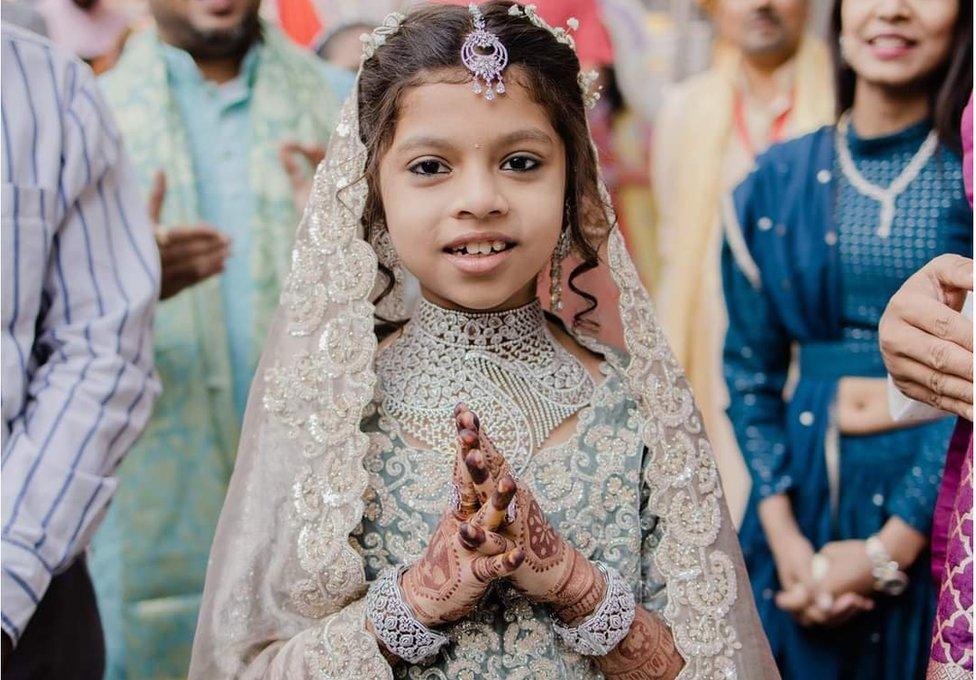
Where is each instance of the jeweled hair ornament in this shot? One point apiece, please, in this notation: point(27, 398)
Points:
point(485, 56)
point(562, 35)
point(377, 38)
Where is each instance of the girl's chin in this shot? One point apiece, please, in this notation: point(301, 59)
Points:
point(474, 298)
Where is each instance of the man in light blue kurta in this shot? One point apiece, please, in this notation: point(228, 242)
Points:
point(217, 139)
point(218, 133)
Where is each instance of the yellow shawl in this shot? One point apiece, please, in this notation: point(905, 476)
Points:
point(690, 141)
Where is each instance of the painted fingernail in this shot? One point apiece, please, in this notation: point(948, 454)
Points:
point(506, 485)
point(515, 558)
point(502, 496)
point(474, 536)
point(459, 409)
point(467, 420)
point(468, 438)
point(476, 466)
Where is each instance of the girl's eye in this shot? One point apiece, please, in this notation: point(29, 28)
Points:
point(428, 166)
point(521, 164)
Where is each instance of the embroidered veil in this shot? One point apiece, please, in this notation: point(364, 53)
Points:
point(284, 587)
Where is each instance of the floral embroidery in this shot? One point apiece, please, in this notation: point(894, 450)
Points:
point(684, 490)
point(345, 650)
point(588, 487)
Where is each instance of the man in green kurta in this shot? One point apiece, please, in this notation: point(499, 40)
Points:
point(221, 116)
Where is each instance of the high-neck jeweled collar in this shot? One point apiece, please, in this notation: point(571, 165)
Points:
point(506, 366)
point(484, 330)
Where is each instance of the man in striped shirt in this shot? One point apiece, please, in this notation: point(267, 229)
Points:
point(80, 274)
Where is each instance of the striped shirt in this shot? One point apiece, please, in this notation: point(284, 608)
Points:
point(80, 274)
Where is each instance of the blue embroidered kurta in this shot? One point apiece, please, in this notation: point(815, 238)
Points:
point(803, 263)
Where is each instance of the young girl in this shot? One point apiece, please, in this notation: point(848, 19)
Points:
point(468, 489)
point(820, 236)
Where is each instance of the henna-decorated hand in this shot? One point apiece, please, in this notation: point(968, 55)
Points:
point(553, 572)
point(455, 570)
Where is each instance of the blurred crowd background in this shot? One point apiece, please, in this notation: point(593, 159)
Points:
point(692, 91)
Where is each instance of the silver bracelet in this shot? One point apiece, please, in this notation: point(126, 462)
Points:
point(395, 624)
point(888, 578)
point(602, 630)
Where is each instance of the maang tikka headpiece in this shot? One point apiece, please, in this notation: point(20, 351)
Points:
point(485, 56)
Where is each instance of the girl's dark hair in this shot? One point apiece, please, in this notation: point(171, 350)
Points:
point(427, 48)
point(948, 87)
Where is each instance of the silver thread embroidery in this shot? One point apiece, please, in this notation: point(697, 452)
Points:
point(506, 366)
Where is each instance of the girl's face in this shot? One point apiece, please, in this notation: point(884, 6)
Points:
point(897, 43)
point(473, 193)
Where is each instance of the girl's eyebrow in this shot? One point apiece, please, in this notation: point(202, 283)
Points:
point(531, 134)
point(425, 142)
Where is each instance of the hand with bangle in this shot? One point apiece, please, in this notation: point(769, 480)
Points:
point(847, 575)
point(496, 529)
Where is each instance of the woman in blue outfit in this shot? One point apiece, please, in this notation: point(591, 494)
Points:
point(818, 237)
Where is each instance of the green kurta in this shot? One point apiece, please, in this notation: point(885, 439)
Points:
point(149, 558)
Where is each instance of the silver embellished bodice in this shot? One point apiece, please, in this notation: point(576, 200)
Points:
point(506, 366)
point(593, 488)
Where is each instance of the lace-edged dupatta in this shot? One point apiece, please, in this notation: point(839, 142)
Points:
point(282, 565)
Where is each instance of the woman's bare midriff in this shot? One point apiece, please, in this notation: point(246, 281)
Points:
point(862, 407)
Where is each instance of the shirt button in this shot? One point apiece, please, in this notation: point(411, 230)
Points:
point(767, 594)
point(806, 418)
point(831, 238)
point(824, 176)
point(877, 499)
point(765, 223)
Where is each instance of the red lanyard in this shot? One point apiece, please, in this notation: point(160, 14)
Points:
point(777, 131)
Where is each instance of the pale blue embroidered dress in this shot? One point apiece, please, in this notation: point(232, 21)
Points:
point(591, 487)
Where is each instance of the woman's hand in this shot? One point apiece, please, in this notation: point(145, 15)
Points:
point(792, 552)
point(841, 590)
point(848, 569)
point(793, 556)
point(453, 573)
point(553, 572)
point(926, 344)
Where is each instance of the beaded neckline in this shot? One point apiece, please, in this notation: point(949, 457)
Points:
point(506, 366)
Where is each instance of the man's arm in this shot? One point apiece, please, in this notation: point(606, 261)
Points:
point(92, 393)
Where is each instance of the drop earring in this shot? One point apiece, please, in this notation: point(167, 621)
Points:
point(556, 268)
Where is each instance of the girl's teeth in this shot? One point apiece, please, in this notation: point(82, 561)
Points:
point(482, 248)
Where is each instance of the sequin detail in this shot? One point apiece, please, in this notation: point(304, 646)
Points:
point(505, 366)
